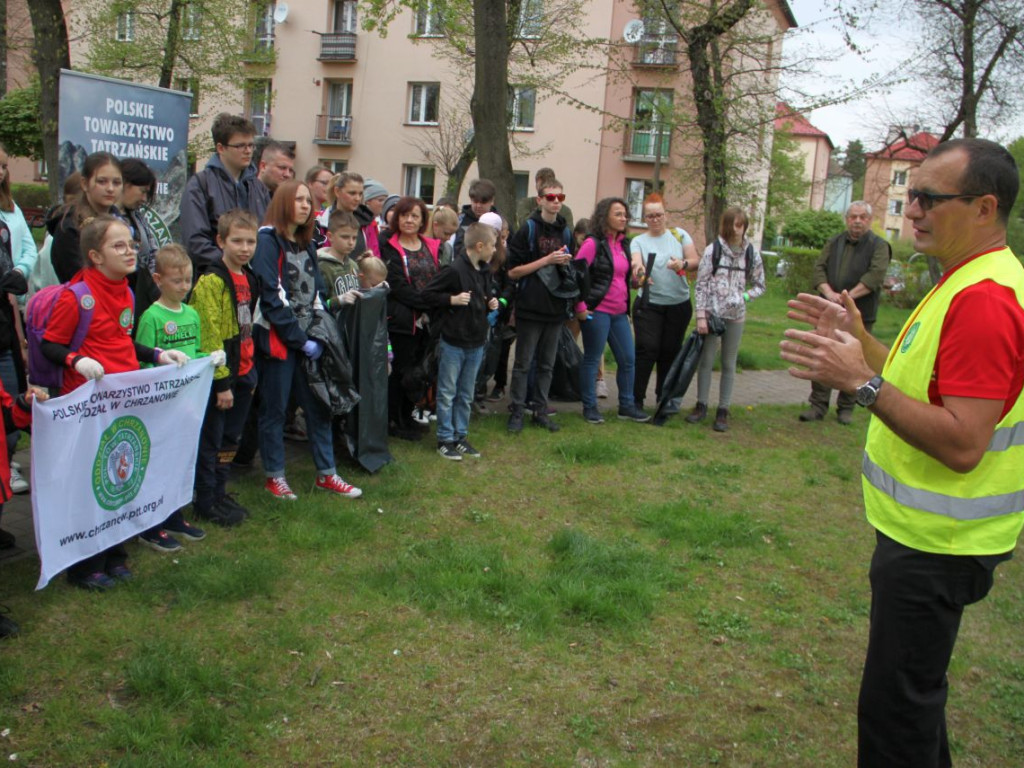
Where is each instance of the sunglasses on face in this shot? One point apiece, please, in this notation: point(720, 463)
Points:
point(551, 198)
point(927, 200)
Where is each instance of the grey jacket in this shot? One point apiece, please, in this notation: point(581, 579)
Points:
point(208, 194)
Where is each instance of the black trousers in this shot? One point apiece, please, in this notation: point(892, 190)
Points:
point(408, 350)
point(218, 441)
point(659, 331)
point(917, 600)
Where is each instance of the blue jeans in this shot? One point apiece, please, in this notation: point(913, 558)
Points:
point(615, 331)
point(279, 379)
point(456, 382)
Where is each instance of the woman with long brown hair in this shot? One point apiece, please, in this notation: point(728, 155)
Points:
point(291, 291)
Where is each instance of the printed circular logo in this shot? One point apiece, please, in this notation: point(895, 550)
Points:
point(909, 338)
point(121, 461)
point(88, 302)
point(126, 318)
point(170, 327)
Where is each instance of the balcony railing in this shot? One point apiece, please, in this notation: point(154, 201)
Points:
point(643, 143)
point(338, 46)
point(333, 129)
point(656, 52)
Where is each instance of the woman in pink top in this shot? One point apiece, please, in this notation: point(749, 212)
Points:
point(604, 311)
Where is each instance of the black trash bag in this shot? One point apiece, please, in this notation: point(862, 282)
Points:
point(419, 378)
point(565, 377)
point(683, 368)
point(365, 326)
point(330, 375)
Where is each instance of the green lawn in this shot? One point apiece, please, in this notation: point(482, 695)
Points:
point(605, 596)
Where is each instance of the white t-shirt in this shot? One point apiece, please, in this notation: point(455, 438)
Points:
point(666, 287)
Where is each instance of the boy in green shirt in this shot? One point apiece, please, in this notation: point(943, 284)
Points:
point(170, 324)
point(340, 271)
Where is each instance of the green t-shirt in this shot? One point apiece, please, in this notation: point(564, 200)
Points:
point(168, 329)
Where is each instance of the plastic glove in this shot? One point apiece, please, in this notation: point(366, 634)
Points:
point(218, 358)
point(312, 349)
point(349, 297)
point(169, 356)
point(89, 368)
point(492, 318)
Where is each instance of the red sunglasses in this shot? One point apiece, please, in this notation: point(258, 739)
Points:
point(551, 198)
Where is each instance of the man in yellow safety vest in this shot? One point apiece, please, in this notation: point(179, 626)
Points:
point(943, 467)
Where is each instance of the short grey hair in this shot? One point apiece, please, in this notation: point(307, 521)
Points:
point(859, 204)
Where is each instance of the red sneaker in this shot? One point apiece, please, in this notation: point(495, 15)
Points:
point(279, 487)
point(335, 484)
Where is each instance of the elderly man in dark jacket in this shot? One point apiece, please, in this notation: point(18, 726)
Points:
point(855, 261)
point(229, 181)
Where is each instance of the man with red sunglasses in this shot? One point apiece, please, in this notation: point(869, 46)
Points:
point(942, 476)
point(528, 205)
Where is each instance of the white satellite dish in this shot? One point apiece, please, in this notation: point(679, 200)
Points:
point(633, 32)
point(281, 13)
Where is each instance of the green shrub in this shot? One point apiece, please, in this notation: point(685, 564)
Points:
point(800, 270)
point(31, 195)
point(812, 229)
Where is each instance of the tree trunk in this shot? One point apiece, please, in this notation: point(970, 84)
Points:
point(457, 174)
point(171, 43)
point(3, 48)
point(490, 100)
point(50, 54)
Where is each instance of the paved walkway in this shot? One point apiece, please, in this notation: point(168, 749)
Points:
point(751, 388)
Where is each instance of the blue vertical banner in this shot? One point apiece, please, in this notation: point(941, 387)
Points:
point(101, 114)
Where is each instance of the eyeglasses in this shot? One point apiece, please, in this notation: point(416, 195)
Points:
point(246, 145)
point(121, 247)
point(551, 198)
point(654, 215)
point(927, 200)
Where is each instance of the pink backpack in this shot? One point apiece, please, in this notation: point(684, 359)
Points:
point(41, 371)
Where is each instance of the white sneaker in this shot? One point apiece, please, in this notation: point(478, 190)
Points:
point(18, 483)
point(16, 465)
point(602, 389)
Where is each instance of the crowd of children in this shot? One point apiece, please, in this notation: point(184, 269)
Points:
point(455, 297)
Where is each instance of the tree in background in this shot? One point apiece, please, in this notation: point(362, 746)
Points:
point(855, 162)
point(20, 130)
point(50, 54)
point(1015, 230)
point(812, 229)
point(787, 187)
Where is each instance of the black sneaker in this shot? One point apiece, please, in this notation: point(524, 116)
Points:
point(632, 413)
point(8, 628)
point(592, 416)
point(160, 541)
point(93, 582)
point(496, 394)
point(185, 529)
point(515, 420)
point(467, 450)
point(543, 420)
point(219, 514)
point(448, 451)
point(228, 501)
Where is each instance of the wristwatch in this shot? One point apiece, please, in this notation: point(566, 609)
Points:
point(867, 393)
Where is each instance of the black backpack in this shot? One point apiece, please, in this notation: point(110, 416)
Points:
point(748, 259)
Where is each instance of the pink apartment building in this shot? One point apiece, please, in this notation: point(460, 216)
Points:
point(351, 99)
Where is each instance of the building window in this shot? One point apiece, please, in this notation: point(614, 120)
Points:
point(429, 20)
point(346, 16)
point(338, 121)
point(522, 107)
point(419, 182)
point(892, 234)
point(895, 207)
point(658, 45)
point(258, 94)
point(335, 166)
point(189, 85)
point(192, 21)
point(531, 19)
point(899, 178)
point(651, 130)
point(264, 36)
point(125, 27)
point(423, 99)
point(523, 186)
point(636, 191)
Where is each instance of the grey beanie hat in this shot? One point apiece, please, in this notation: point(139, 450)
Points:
point(373, 189)
point(388, 205)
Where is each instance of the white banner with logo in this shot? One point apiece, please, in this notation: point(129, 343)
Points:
point(114, 458)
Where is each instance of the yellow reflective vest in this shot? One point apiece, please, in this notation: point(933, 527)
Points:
point(915, 499)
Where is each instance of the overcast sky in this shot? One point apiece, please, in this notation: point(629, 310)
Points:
point(882, 51)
